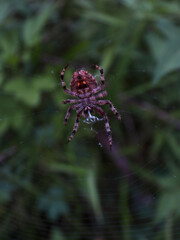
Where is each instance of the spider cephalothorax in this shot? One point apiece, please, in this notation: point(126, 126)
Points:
point(84, 87)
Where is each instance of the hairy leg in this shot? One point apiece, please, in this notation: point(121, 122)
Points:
point(107, 125)
point(101, 95)
point(64, 84)
point(71, 101)
point(68, 113)
point(100, 87)
point(76, 125)
point(103, 102)
point(102, 74)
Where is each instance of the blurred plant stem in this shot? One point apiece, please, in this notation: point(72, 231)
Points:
point(168, 228)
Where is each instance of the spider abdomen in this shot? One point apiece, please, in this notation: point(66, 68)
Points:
point(82, 82)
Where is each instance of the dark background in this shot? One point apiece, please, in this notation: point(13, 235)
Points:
point(50, 190)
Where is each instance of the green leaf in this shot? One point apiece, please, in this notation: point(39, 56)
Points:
point(157, 143)
point(44, 82)
point(11, 114)
point(174, 145)
point(53, 204)
point(9, 46)
point(168, 28)
point(31, 36)
point(33, 26)
point(157, 45)
point(1, 77)
point(23, 91)
point(92, 193)
point(103, 18)
point(5, 9)
point(169, 61)
point(168, 204)
point(6, 189)
point(165, 49)
point(168, 201)
point(65, 168)
point(85, 4)
point(56, 234)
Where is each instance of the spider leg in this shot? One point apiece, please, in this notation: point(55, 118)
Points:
point(86, 95)
point(64, 84)
point(103, 102)
point(99, 88)
point(71, 101)
point(102, 94)
point(102, 74)
point(107, 125)
point(68, 113)
point(76, 124)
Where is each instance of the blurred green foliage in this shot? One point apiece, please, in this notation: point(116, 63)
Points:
point(54, 191)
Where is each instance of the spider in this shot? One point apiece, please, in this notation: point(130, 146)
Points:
point(84, 87)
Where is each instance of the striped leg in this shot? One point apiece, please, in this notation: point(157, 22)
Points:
point(102, 74)
point(64, 85)
point(99, 88)
point(76, 125)
point(107, 126)
point(103, 102)
point(102, 94)
point(68, 113)
point(71, 101)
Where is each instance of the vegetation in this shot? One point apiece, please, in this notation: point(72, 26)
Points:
point(50, 190)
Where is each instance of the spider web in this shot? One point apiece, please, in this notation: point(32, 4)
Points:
point(83, 191)
point(103, 216)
